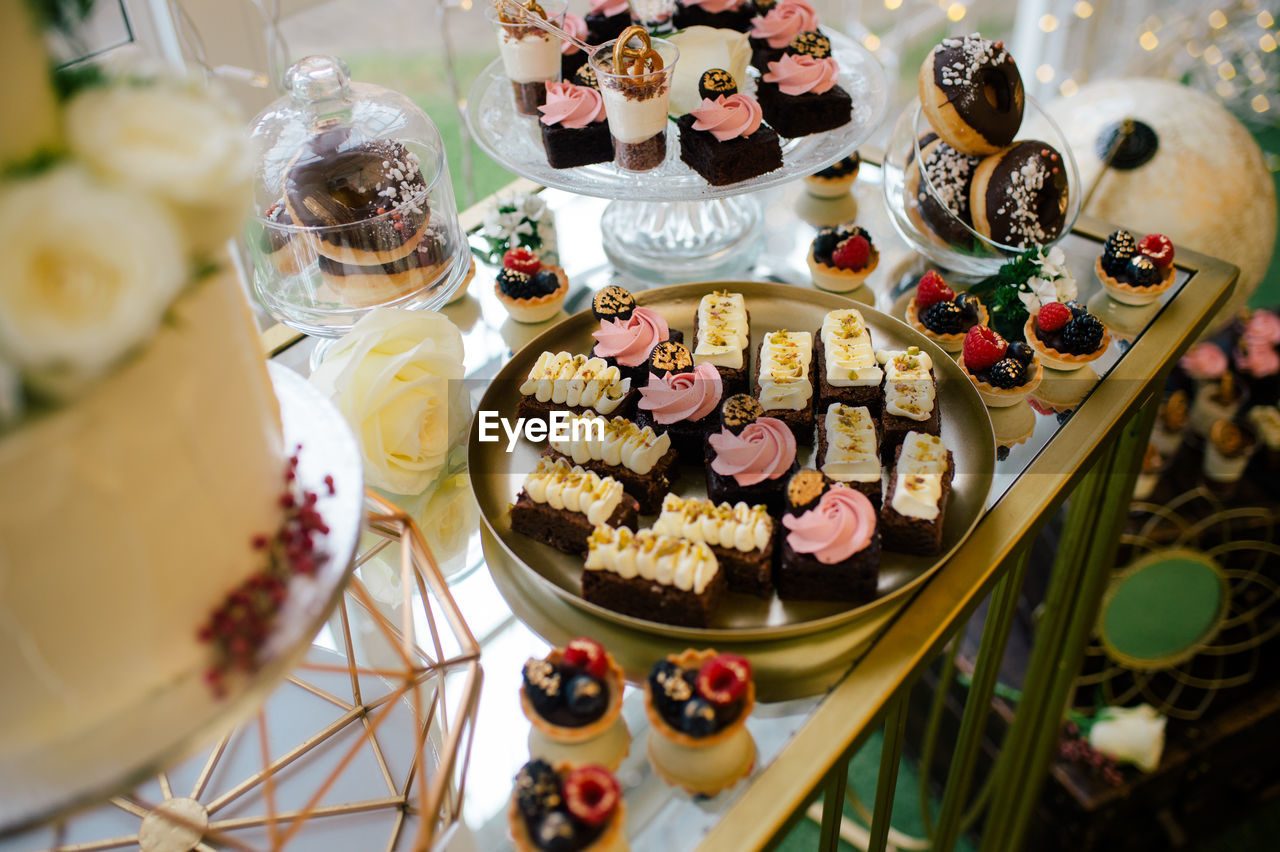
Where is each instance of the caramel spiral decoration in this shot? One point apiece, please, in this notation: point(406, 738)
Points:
point(529, 6)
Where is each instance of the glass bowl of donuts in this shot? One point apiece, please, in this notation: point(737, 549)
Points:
point(974, 171)
point(354, 204)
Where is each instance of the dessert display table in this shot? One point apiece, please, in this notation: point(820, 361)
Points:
point(1083, 442)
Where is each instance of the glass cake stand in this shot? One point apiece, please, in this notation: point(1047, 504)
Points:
point(170, 722)
point(668, 224)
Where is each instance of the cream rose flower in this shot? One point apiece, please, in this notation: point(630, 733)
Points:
point(447, 517)
point(396, 378)
point(701, 49)
point(1131, 735)
point(183, 144)
point(87, 271)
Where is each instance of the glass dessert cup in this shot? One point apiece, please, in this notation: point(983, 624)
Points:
point(637, 106)
point(668, 225)
point(530, 56)
point(969, 253)
point(656, 16)
point(350, 217)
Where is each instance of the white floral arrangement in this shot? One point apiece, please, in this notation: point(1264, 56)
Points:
point(1051, 282)
point(1022, 285)
point(523, 220)
point(1130, 735)
point(108, 213)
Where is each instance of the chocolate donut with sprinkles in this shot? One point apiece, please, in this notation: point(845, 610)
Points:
point(1019, 196)
point(941, 188)
point(971, 92)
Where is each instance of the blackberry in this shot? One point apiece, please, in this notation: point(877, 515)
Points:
point(1083, 335)
point(968, 304)
point(544, 281)
point(515, 283)
point(1116, 251)
point(1020, 352)
point(585, 696)
point(537, 790)
point(943, 318)
point(1002, 452)
point(544, 686)
point(825, 244)
point(1007, 373)
point(1141, 271)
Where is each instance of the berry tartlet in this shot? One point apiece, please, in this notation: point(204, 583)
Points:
point(561, 809)
point(841, 258)
point(573, 700)
point(836, 179)
point(1004, 373)
point(698, 703)
point(530, 290)
point(942, 316)
point(1066, 336)
point(1133, 272)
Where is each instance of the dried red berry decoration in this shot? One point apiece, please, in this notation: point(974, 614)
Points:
point(521, 259)
point(241, 624)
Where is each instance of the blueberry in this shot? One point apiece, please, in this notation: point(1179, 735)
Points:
point(825, 244)
point(1020, 352)
point(670, 689)
point(1076, 308)
point(585, 696)
point(968, 304)
point(556, 833)
point(544, 686)
point(698, 718)
point(1141, 271)
point(544, 281)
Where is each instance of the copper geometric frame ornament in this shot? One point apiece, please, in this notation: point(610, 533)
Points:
point(439, 683)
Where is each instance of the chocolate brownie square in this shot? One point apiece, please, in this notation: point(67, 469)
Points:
point(648, 488)
point(736, 379)
point(801, 421)
point(725, 489)
point(872, 490)
point(802, 115)
point(563, 529)
point(568, 147)
point(914, 535)
point(732, 160)
point(865, 395)
point(800, 576)
point(654, 601)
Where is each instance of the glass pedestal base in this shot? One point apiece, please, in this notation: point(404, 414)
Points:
point(670, 242)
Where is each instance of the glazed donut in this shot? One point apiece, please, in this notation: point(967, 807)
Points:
point(1019, 196)
point(379, 284)
point(950, 173)
point(369, 198)
point(971, 93)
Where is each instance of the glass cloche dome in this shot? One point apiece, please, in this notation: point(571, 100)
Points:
point(354, 204)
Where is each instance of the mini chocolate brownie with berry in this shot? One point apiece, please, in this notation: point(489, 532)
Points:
point(937, 312)
point(842, 257)
point(530, 290)
point(1066, 336)
point(1135, 272)
point(561, 809)
point(1004, 373)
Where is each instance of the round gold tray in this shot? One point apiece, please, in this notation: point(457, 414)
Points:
point(497, 475)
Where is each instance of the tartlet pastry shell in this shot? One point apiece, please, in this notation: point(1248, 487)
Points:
point(611, 839)
point(539, 308)
point(1127, 293)
point(612, 712)
point(836, 280)
point(693, 659)
point(1055, 359)
point(995, 397)
point(948, 342)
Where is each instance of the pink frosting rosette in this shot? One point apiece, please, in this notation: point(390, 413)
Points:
point(783, 21)
point(576, 26)
point(571, 106)
point(714, 6)
point(763, 450)
point(683, 396)
point(728, 116)
point(1204, 361)
point(1264, 327)
point(839, 526)
point(1256, 355)
point(796, 75)
point(629, 341)
point(609, 8)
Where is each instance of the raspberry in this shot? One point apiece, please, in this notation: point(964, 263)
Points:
point(982, 348)
point(1006, 373)
point(931, 290)
point(723, 679)
point(586, 654)
point(854, 253)
point(943, 318)
point(1052, 316)
point(1159, 248)
point(591, 794)
point(521, 259)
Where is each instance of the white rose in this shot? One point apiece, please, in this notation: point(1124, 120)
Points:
point(448, 519)
point(531, 206)
point(396, 378)
point(177, 142)
point(1130, 735)
point(87, 271)
point(701, 49)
